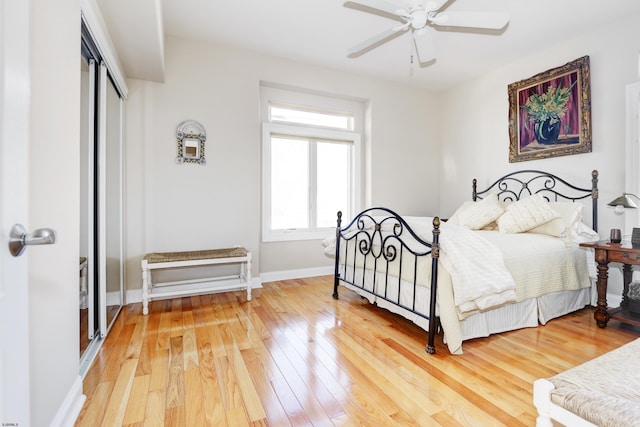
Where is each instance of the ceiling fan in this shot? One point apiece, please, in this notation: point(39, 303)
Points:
point(420, 17)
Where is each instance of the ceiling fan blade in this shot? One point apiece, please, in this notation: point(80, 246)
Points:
point(372, 41)
point(425, 46)
point(382, 5)
point(492, 21)
point(434, 5)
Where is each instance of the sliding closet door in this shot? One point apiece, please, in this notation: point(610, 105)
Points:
point(111, 276)
point(87, 289)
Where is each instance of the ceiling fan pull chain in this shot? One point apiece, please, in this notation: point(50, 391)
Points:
point(411, 53)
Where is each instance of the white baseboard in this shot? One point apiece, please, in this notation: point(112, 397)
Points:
point(296, 274)
point(71, 406)
point(113, 298)
point(135, 295)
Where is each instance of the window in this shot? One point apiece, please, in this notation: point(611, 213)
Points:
point(310, 171)
point(288, 114)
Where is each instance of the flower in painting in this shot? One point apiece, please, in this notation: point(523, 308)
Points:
point(551, 105)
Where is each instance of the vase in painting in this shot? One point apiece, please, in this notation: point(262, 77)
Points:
point(547, 132)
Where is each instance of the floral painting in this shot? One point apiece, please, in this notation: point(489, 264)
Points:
point(550, 113)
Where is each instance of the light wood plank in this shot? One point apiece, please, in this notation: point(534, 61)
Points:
point(164, 331)
point(149, 342)
point(227, 384)
point(261, 381)
point(250, 398)
point(175, 385)
point(95, 406)
point(137, 400)
point(114, 414)
point(155, 410)
point(213, 408)
point(190, 349)
point(160, 371)
point(193, 398)
point(175, 416)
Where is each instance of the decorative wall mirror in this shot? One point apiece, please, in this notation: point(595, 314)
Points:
point(191, 137)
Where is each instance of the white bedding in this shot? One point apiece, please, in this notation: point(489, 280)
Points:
point(480, 277)
point(479, 271)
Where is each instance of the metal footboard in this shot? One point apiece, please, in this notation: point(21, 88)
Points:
point(378, 253)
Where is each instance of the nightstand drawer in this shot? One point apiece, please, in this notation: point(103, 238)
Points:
point(624, 257)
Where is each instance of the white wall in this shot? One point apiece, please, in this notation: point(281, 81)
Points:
point(474, 131)
point(54, 202)
point(174, 207)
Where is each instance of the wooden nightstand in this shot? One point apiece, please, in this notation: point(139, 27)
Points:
point(605, 253)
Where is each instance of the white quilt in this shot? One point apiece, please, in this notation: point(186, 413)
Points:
point(479, 277)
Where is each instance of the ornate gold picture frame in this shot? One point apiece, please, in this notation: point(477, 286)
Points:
point(550, 113)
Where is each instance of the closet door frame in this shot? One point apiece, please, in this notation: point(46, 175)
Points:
point(102, 200)
point(103, 206)
point(91, 202)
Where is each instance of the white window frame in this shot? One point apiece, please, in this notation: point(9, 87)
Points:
point(311, 133)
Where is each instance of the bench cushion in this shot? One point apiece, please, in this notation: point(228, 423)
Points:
point(157, 257)
point(605, 390)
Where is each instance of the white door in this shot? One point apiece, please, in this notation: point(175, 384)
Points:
point(14, 151)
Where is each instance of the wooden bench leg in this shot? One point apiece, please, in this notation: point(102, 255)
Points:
point(145, 288)
point(247, 275)
point(542, 401)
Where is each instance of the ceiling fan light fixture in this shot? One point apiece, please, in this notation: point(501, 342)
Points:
point(419, 19)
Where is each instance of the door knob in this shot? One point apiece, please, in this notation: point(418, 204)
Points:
point(19, 239)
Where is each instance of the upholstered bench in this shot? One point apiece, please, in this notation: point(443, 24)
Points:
point(604, 391)
point(166, 260)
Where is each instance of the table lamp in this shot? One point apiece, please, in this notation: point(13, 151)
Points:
point(620, 204)
point(623, 202)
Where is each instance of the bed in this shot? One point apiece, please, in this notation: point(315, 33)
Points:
point(505, 260)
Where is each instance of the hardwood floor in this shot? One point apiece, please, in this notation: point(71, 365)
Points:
point(294, 356)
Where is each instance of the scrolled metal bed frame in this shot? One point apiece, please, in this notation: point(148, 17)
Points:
point(524, 183)
point(364, 231)
point(364, 235)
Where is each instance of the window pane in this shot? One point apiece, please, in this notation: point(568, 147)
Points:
point(314, 118)
point(289, 183)
point(333, 182)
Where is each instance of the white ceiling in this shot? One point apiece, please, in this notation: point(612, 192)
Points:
point(320, 32)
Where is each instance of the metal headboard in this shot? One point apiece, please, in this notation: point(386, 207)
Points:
point(525, 183)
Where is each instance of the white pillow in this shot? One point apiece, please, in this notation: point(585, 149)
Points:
point(479, 214)
point(571, 212)
point(582, 233)
point(555, 228)
point(525, 214)
point(455, 218)
point(570, 216)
